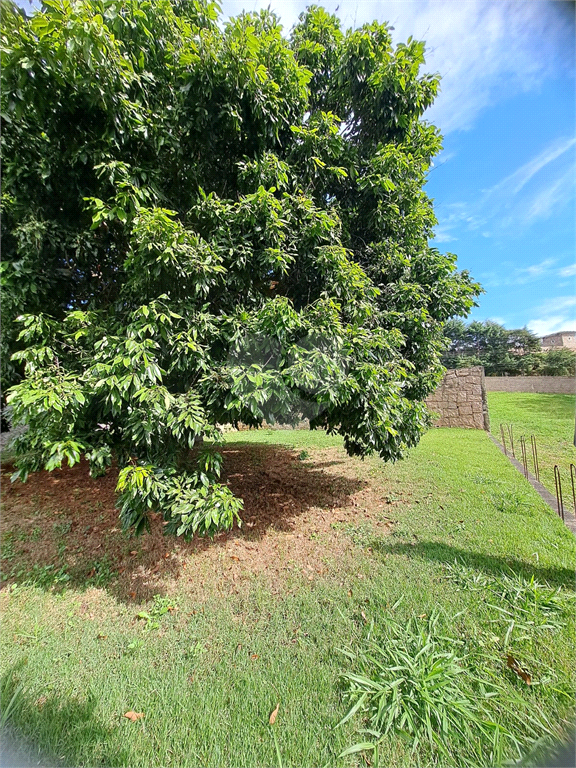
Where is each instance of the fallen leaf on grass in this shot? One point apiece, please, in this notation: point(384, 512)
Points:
point(514, 665)
point(101, 637)
point(41, 701)
point(254, 656)
point(274, 715)
point(133, 716)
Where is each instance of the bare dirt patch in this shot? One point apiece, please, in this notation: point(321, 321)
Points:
point(64, 525)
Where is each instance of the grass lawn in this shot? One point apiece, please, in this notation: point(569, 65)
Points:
point(551, 419)
point(446, 566)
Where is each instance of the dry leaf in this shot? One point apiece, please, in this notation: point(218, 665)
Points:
point(254, 656)
point(133, 595)
point(514, 665)
point(233, 557)
point(41, 701)
point(133, 552)
point(274, 715)
point(364, 617)
point(101, 637)
point(133, 715)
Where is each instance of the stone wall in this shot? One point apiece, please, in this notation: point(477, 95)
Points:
point(460, 400)
point(547, 385)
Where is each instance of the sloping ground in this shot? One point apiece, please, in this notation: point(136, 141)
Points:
point(201, 641)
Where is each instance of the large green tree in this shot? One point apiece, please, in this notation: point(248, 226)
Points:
point(209, 223)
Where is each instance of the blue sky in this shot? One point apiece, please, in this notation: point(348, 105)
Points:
point(505, 185)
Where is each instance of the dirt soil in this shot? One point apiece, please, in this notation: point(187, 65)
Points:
point(295, 521)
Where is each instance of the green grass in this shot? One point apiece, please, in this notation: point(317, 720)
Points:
point(551, 419)
point(473, 547)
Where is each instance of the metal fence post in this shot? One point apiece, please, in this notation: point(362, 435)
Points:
point(558, 484)
point(573, 481)
point(524, 455)
point(502, 436)
point(535, 457)
point(511, 436)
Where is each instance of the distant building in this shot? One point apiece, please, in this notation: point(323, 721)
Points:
point(560, 340)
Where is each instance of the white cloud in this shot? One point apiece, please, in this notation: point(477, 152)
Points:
point(557, 304)
point(545, 202)
point(484, 49)
point(443, 236)
point(532, 272)
point(536, 190)
point(557, 314)
point(513, 183)
point(567, 271)
point(553, 324)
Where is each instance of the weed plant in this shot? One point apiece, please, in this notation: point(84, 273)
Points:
point(415, 682)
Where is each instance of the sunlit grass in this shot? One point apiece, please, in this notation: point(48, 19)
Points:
point(470, 541)
point(550, 418)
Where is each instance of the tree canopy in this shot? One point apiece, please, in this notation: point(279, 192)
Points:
point(207, 223)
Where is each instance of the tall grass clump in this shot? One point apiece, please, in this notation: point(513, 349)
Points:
point(11, 697)
point(409, 680)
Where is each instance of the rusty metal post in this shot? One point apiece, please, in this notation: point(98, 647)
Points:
point(503, 438)
point(535, 457)
point(524, 455)
point(573, 481)
point(558, 484)
point(511, 436)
